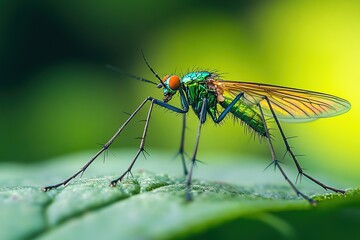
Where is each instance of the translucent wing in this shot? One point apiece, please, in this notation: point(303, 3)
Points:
point(289, 104)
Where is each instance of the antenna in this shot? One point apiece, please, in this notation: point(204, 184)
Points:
point(152, 70)
point(130, 75)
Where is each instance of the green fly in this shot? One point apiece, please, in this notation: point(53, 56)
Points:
point(208, 95)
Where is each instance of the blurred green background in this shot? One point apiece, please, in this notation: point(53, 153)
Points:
point(57, 97)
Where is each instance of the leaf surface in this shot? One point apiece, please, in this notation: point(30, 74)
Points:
point(146, 206)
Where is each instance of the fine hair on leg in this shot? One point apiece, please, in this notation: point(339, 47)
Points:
point(276, 162)
point(293, 156)
point(117, 133)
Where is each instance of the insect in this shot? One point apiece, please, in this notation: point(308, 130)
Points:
point(209, 96)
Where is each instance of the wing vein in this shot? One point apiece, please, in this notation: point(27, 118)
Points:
point(289, 103)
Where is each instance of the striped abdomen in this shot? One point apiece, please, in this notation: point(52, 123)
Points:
point(246, 114)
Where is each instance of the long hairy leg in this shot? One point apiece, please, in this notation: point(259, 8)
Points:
point(193, 159)
point(293, 156)
point(276, 162)
point(112, 139)
point(140, 150)
point(202, 120)
point(181, 151)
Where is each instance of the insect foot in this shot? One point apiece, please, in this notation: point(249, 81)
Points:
point(188, 196)
point(113, 183)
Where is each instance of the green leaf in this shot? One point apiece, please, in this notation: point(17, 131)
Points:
point(151, 205)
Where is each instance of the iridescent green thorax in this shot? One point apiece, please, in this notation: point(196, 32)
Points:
point(197, 76)
point(195, 85)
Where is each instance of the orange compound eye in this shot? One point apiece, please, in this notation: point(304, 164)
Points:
point(174, 82)
point(165, 78)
